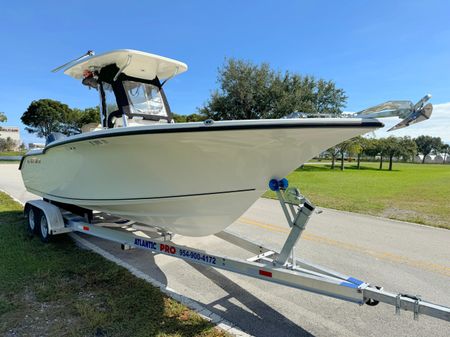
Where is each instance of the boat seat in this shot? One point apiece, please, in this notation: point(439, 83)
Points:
point(90, 127)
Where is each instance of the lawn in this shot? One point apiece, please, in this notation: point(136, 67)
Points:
point(411, 192)
point(60, 290)
point(12, 154)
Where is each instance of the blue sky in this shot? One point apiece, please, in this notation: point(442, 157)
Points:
point(375, 50)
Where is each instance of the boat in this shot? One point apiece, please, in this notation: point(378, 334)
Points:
point(193, 179)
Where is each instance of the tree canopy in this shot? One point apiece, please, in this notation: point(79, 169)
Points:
point(350, 146)
point(3, 117)
point(333, 152)
point(7, 144)
point(86, 116)
point(398, 147)
point(249, 91)
point(391, 147)
point(427, 144)
point(188, 118)
point(45, 116)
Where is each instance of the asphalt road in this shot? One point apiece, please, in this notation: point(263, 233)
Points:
point(401, 257)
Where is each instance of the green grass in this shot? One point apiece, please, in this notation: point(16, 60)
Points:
point(60, 290)
point(411, 192)
point(12, 154)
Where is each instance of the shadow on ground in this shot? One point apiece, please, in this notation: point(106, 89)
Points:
point(262, 321)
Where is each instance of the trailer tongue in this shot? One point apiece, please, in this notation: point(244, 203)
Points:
point(282, 267)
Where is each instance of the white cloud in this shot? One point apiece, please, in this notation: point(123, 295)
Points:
point(437, 126)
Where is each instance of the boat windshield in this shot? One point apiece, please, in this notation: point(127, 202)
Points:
point(110, 99)
point(144, 99)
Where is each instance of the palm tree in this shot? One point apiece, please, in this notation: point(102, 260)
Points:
point(3, 117)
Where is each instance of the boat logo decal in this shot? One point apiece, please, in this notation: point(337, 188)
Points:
point(97, 142)
point(33, 160)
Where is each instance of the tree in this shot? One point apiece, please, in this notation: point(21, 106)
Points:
point(7, 144)
point(179, 118)
point(86, 116)
point(195, 118)
point(361, 144)
point(408, 148)
point(249, 91)
point(445, 151)
point(328, 98)
point(372, 149)
point(426, 144)
point(3, 117)
point(46, 116)
point(346, 147)
point(69, 122)
point(375, 147)
point(188, 118)
point(392, 148)
point(333, 152)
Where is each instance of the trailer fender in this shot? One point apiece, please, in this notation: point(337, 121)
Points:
point(52, 213)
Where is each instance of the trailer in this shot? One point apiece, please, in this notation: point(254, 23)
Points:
point(48, 219)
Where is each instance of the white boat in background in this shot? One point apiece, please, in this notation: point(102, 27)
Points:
point(193, 179)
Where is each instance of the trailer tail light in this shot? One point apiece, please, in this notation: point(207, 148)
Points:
point(85, 228)
point(265, 273)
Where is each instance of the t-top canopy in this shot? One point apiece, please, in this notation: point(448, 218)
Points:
point(133, 63)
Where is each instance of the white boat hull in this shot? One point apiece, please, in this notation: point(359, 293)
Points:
point(190, 179)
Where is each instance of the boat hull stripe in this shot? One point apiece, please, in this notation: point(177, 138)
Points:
point(147, 198)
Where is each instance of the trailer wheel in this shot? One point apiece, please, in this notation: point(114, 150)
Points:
point(44, 232)
point(32, 215)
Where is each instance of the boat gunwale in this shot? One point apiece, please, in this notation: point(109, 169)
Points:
point(144, 130)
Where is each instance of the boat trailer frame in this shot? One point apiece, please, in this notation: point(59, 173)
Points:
point(267, 264)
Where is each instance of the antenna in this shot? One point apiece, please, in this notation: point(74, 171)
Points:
point(88, 53)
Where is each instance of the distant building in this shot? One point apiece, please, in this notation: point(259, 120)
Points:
point(32, 146)
point(438, 158)
point(12, 132)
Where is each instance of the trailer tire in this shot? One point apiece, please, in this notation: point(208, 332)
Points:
point(44, 231)
point(32, 216)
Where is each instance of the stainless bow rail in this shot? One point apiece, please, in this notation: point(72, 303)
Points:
point(267, 264)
